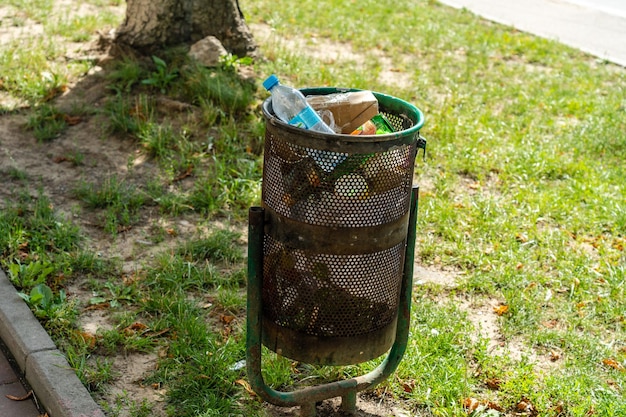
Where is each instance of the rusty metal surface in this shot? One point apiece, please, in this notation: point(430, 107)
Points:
point(320, 350)
point(333, 239)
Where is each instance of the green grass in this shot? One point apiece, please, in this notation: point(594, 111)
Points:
point(118, 200)
point(34, 67)
point(522, 197)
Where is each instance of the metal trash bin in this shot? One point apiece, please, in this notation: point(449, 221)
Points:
point(336, 217)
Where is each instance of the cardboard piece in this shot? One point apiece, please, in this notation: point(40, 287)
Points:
point(350, 110)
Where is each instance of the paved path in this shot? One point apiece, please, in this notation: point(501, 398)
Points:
point(10, 384)
point(594, 26)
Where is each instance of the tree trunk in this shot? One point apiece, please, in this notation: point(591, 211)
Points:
point(153, 24)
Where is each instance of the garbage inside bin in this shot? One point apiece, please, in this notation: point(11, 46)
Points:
point(291, 107)
point(377, 125)
point(349, 110)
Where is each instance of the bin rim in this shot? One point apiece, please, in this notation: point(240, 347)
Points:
point(389, 102)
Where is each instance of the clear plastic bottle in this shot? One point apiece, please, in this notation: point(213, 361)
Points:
point(291, 107)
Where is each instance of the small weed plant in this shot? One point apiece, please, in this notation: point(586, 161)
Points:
point(162, 77)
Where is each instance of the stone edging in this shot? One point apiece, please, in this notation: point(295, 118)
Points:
point(44, 367)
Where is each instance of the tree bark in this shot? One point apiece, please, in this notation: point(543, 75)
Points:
point(154, 24)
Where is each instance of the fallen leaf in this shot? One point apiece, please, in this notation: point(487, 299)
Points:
point(130, 278)
point(521, 238)
point(558, 408)
point(98, 306)
point(138, 326)
point(246, 386)
point(72, 120)
point(612, 363)
point(53, 92)
point(493, 406)
point(501, 309)
point(185, 174)
point(134, 328)
point(471, 404)
point(226, 319)
point(59, 159)
point(23, 250)
point(493, 383)
point(614, 385)
point(408, 386)
point(124, 229)
point(226, 332)
point(25, 397)
point(550, 324)
point(88, 338)
point(525, 406)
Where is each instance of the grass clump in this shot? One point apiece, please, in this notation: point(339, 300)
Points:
point(119, 200)
point(33, 248)
point(222, 88)
point(46, 123)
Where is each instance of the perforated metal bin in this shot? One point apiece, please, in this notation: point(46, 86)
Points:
point(336, 217)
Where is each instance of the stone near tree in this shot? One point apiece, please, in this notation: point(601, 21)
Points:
point(208, 51)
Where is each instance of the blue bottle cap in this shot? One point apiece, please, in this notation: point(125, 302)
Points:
point(271, 81)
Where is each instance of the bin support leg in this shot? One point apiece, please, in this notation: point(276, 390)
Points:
point(347, 389)
point(308, 410)
point(348, 402)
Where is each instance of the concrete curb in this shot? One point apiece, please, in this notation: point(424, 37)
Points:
point(54, 382)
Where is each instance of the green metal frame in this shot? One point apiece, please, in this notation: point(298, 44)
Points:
point(346, 389)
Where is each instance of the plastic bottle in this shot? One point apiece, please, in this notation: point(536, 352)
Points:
point(291, 107)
